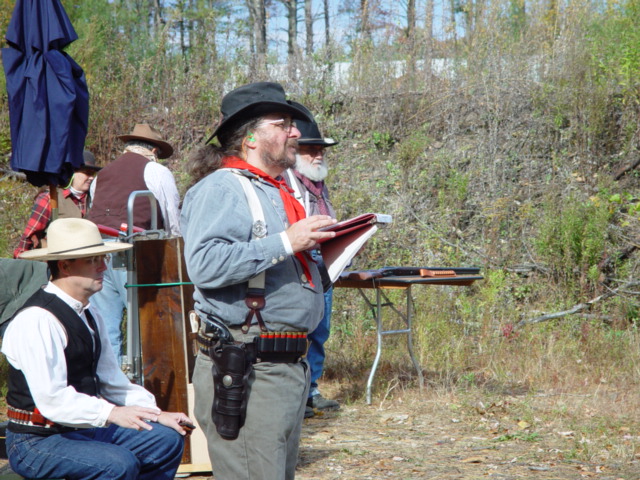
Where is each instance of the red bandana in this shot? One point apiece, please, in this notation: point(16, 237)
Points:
point(293, 208)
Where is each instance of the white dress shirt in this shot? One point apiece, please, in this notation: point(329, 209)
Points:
point(34, 343)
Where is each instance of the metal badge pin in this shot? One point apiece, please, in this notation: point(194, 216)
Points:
point(259, 229)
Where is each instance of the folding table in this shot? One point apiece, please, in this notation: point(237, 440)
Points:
point(385, 279)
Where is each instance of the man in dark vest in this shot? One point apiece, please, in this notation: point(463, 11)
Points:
point(72, 412)
point(136, 169)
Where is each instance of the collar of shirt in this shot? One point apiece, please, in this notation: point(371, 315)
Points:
point(145, 152)
point(66, 298)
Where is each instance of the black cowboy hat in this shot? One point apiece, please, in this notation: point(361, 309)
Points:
point(88, 162)
point(252, 101)
point(309, 131)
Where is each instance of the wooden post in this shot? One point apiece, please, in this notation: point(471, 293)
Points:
point(53, 194)
point(167, 356)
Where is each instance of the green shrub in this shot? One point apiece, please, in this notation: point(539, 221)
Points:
point(572, 236)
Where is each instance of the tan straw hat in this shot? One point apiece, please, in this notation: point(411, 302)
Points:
point(73, 238)
point(146, 133)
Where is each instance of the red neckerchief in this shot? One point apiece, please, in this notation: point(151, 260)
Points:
point(293, 208)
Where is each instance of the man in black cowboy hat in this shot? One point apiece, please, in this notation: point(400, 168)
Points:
point(72, 412)
point(307, 181)
point(136, 169)
point(257, 290)
point(73, 201)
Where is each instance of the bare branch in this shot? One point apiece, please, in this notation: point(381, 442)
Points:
point(624, 170)
point(579, 307)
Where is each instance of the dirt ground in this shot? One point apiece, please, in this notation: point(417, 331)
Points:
point(511, 435)
point(425, 435)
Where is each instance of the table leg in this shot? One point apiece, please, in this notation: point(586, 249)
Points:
point(379, 333)
point(410, 338)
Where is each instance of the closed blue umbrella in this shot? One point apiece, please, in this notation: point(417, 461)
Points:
point(47, 92)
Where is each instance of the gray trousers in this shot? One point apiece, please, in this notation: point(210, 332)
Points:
point(267, 447)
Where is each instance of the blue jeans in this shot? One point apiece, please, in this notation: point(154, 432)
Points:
point(317, 339)
point(110, 302)
point(98, 454)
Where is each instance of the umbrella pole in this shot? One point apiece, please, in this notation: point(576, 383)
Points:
point(53, 194)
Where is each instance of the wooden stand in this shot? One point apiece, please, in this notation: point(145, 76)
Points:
point(164, 299)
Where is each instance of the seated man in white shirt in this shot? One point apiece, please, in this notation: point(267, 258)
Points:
point(72, 413)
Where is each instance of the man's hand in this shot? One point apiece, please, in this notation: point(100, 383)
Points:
point(304, 234)
point(139, 418)
point(134, 417)
point(178, 421)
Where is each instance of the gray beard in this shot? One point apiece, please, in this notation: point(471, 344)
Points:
point(313, 173)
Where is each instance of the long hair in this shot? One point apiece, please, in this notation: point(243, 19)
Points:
point(208, 158)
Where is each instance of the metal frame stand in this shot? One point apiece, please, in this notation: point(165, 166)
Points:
point(132, 361)
point(376, 309)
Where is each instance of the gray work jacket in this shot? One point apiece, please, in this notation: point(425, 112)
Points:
point(221, 256)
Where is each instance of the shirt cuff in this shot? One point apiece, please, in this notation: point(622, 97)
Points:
point(103, 416)
point(286, 243)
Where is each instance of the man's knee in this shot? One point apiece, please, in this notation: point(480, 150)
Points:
point(170, 441)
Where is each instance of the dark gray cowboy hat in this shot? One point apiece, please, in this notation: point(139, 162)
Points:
point(89, 162)
point(252, 101)
point(146, 133)
point(309, 131)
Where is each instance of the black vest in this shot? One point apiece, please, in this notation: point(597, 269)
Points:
point(80, 356)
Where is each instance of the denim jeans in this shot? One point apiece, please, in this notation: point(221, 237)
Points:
point(317, 339)
point(110, 302)
point(98, 453)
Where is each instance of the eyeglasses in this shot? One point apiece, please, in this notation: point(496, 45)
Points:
point(97, 259)
point(286, 124)
point(311, 150)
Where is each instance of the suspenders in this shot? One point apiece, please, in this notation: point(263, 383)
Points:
point(254, 300)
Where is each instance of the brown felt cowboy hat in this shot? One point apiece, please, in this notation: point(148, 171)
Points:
point(146, 133)
point(73, 238)
point(252, 101)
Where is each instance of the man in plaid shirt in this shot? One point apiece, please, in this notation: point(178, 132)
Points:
point(72, 202)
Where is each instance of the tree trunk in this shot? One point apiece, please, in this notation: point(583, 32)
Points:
point(258, 19)
point(454, 27)
point(308, 24)
point(327, 29)
point(428, 38)
point(411, 41)
point(327, 75)
point(292, 8)
point(252, 21)
point(157, 17)
point(365, 28)
point(183, 42)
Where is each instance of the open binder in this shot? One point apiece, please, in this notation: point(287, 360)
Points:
point(351, 235)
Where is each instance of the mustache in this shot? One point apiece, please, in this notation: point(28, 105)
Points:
point(292, 142)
